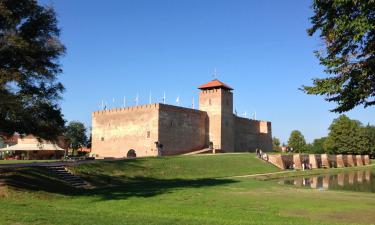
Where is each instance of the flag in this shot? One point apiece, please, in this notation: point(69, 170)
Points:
point(164, 98)
point(178, 100)
point(136, 99)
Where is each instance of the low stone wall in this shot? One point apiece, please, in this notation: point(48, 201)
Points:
point(315, 161)
point(367, 159)
point(325, 161)
point(318, 161)
point(277, 161)
point(359, 160)
point(341, 161)
point(351, 161)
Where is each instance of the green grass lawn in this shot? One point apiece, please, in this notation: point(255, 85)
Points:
point(25, 161)
point(174, 190)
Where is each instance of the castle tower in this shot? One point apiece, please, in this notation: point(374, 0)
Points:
point(216, 98)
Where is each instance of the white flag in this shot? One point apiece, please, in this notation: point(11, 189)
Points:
point(136, 99)
point(178, 100)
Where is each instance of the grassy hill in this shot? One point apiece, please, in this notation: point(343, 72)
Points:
point(174, 190)
point(178, 167)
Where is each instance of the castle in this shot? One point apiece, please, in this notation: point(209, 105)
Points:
point(160, 129)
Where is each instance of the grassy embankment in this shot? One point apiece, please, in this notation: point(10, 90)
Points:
point(174, 190)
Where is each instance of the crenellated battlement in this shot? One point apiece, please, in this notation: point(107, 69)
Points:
point(147, 107)
point(127, 109)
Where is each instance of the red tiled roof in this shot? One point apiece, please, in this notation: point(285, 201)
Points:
point(215, 84)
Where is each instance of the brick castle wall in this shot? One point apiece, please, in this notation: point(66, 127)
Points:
point(252, 134)
point(182, 130)
point(179, 130)
point(115, 132)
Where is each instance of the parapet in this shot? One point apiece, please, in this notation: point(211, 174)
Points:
point(127, 109)
point(148, 107)
point(180, 109)
point(247, 120)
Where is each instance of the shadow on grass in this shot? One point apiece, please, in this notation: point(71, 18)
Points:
point(107, 187)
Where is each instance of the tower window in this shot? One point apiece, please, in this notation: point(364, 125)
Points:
point(102, 139)
point(148, 134)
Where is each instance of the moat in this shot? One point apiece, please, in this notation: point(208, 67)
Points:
point(359, 181)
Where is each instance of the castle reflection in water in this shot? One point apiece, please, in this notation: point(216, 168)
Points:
point(362, 181)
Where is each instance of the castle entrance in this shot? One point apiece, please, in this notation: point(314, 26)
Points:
point(131, 154)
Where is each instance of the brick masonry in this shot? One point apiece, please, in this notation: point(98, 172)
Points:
point(177, 129)
point(318, 161)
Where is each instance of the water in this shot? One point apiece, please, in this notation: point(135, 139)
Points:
point(360, 181)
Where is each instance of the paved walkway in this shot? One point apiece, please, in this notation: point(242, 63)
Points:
point(262, 174)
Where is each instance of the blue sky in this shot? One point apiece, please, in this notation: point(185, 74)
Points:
point(119, 48)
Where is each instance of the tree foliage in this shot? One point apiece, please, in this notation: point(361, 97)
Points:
point(297, 141)
point(344, 136)
point(76, 134)
point(276, 144)
point(29, 53)
point(347, 29)
point(318, 145)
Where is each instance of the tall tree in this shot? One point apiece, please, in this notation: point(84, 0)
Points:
point(29, 53)
point(344, 136)
point(297, 141)
point(367, 140)
point(347, 29)
point(76, 134)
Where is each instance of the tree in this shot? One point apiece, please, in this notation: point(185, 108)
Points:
point(276, 144)
point(344, 136)
point(348, 31)
point(29, 53)
point(76, 134)
point(367, 140)
point(297, 141)
point(318, 145)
